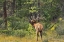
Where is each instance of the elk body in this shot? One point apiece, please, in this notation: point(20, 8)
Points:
point(38, 27)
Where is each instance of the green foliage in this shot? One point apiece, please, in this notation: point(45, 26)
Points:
point(30, 29)
point(33, 9)
point(60, 29)
point(17, 23)
point(5, 32)
point(50, 9)
point(22, 13)
point(19, 33)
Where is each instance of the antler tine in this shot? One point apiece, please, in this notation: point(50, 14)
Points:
point(38, 17)
point(30, 16)
point(34, 16)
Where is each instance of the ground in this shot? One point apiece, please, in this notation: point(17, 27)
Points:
point(4, 38)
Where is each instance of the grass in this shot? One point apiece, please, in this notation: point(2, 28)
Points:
point(4, 38)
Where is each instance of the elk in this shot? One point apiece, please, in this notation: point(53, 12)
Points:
point(37, 26)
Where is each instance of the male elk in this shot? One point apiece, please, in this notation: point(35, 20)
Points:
point(38, 27)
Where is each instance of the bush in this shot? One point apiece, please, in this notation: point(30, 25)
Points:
point(60, 28)
point(7, 32)
point(19, 33)
point(31, 30)
point(17, 23)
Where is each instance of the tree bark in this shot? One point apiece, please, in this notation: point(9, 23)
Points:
point(5, 14)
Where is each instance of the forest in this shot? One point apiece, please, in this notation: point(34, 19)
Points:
point(16, 14)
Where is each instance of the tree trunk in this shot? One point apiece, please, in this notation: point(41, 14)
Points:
point(5, 14)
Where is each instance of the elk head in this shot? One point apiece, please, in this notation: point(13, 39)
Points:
point(32, 18)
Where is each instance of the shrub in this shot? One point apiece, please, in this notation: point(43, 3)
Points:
point(17, 23)
point(60, 28)
point(31, 30)
point(19, 33)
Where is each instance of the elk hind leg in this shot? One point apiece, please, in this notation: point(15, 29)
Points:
point(37, 35)
point(41, 34)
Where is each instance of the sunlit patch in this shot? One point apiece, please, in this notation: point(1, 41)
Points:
point(53, 28)
point(60, 19)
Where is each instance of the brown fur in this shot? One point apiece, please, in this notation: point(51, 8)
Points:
point(38, 27)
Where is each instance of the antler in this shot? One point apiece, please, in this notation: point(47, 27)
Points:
point(34, 16)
